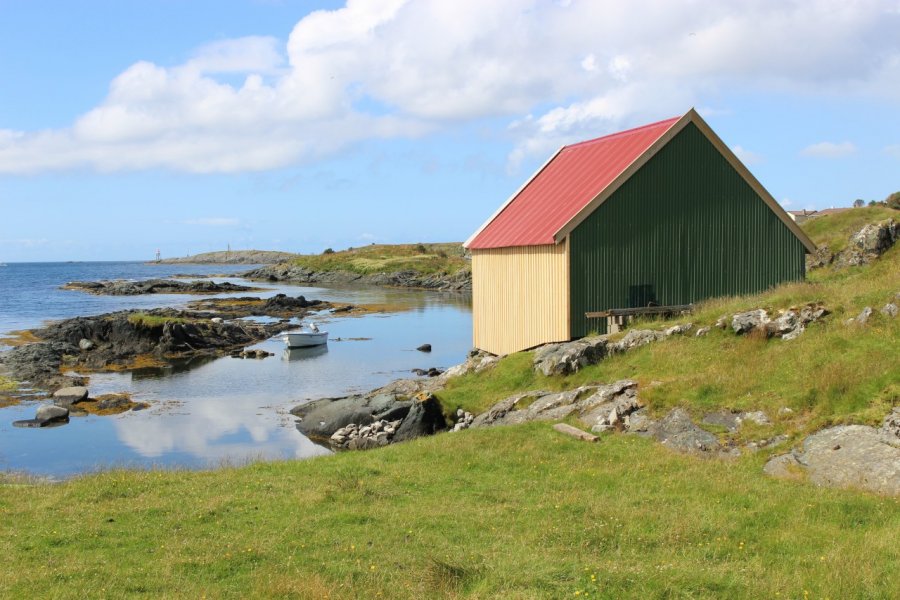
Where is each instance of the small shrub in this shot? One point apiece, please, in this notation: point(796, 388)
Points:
point(328, 251)
point(859, 202)
point(421, 249)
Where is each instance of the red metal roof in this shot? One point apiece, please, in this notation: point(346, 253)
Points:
point(574, 177)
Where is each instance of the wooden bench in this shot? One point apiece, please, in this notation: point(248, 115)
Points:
point(617, 318)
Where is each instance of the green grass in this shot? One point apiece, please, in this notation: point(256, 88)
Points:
point(427, 259)
point(148, 321)
point(7, 384)
point(511, 512)
point(834, 230)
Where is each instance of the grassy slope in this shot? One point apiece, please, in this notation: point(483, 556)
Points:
point(834, 230)
point(522, 511)
point(427, 259)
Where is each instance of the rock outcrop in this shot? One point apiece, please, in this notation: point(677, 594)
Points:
point(363, 422)
point(850, 456)
point(593, 404)
point(868, 243)
point(125, 287)
point(789, 324)
point(460, 281)
point(570, 357)
point(119, 338)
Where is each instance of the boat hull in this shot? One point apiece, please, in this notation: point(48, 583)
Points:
point(305, 339)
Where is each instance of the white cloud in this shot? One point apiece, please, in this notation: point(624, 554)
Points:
point(829, 150)
point(747, 157)
point(214, 222)
point(893, 150)
point(589, 62)
point(402, 68)
point(786, 202)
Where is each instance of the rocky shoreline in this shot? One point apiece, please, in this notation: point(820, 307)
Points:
point(125, 287)
point(128, 339)
point(408, 408)
point(290, 273)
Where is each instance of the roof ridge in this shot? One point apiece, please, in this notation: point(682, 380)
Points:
point(610, 136)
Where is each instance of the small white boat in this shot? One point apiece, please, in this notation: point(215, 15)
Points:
point(305, 337)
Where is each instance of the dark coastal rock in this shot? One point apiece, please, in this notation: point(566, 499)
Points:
point(46, 415)
point(122, 287)
point(425, 417)
point(320, 419)
point(424, 348)
point(460, 281)
point(39, 364)
point(119, 338)
point(281, 302)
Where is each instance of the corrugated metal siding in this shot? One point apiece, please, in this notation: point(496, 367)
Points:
point(684, 228)
point(565, 186)
point(520, 297)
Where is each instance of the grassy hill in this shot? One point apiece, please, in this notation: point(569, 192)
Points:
point(427, 259)
point(517, 512)
point(231, 257)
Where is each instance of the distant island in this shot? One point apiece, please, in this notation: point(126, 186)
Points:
point(231, 257)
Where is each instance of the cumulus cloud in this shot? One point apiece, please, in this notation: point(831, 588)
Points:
point(556, 71)
point(829, 150)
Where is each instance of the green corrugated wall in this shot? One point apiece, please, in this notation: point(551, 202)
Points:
point(684, 227)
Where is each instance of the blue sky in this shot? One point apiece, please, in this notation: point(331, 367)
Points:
point(295, 125)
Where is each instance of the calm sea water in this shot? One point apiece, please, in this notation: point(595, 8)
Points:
point(209, 412)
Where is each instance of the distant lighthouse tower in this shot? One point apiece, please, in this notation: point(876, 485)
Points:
point(157, 255)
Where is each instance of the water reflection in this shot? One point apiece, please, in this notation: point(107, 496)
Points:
point(204, 411)
point(304, 353)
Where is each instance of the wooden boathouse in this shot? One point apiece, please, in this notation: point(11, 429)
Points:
point(660, 215)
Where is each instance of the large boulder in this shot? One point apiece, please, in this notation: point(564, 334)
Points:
point(570, 357)
point(46, 415)
point(320, 419)
point(869, 243)
point(68, 396)
point(425, 417)
point(745, 322)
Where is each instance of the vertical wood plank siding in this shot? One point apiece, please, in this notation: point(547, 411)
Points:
point(520, 297)
point(685, 227)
